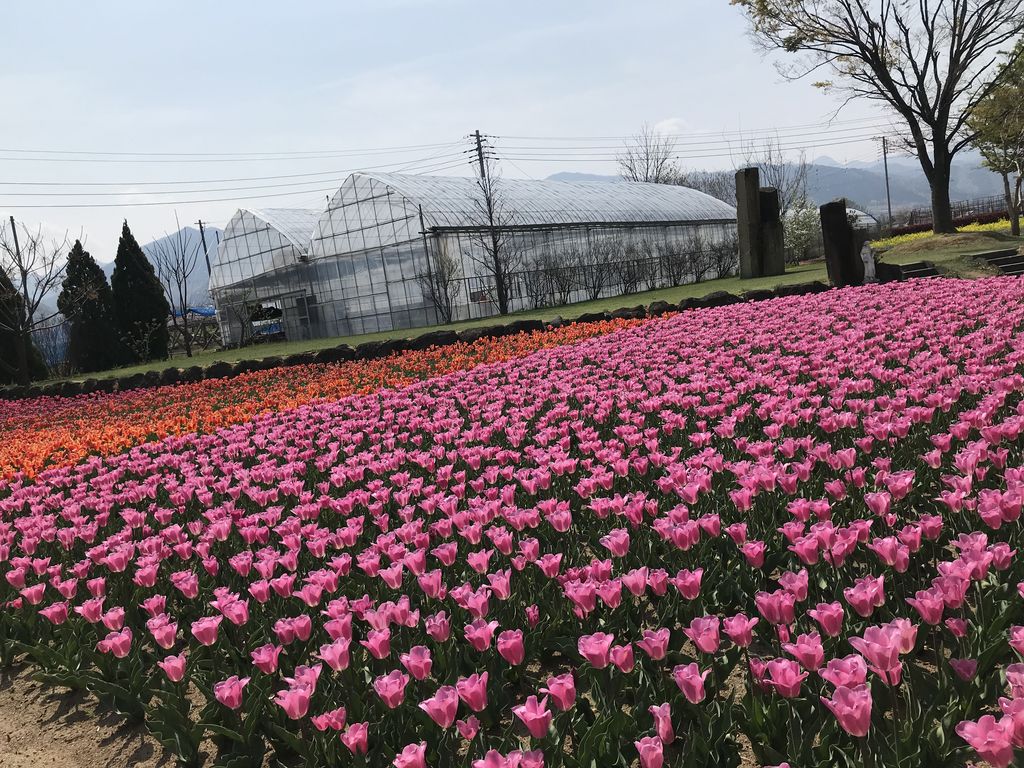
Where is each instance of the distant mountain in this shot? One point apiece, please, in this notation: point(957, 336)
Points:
point(199, 281)
point(572, 176)
point(863, 183)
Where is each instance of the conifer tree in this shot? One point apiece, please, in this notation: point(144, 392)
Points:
point(140, 307)
point(88, 304)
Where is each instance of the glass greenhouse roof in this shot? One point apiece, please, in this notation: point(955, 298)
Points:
point(295, 224)
point(454, 201)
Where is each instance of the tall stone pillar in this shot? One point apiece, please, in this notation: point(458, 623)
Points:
point(842, 257)
point(748, 221)
point(773, 251)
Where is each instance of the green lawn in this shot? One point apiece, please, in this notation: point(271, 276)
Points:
point(951, 254)
point(794, 274)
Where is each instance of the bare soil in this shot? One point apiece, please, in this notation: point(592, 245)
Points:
point(42, 726)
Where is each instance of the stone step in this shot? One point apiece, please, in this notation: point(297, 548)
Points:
point(1016, 269)
point(993, 257)
point(999, 261)
point(918, 269)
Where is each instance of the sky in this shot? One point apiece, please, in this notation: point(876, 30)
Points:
point(158, 113)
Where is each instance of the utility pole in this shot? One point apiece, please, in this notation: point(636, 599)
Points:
point(885, 163)
point(206, 253)
point(480, 154)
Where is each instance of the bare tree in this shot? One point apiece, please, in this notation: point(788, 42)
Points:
point(724, 255)
point(498, 251)
point(536, 282)
point(442, 282)
point(649, 157)
point(33, 267)
point(561, 275)
point(236, 307)
point(789, 178)
point(597, 267)
point(929, 62)
point(176, 257)
point(675, 263)
point(702, 260)
point(719, 184)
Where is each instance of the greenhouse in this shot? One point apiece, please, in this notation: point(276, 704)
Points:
point(394, 251)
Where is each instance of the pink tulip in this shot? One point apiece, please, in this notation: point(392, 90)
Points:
point(595, 648)
point(473, 691)
point(205, 630)
point(663, 722)
point(333, 720)
point(881, 647)
point(480, 633)
point(438, 627)
point(865, 595)
point(849, 671)
point(990, 738)
point(651, 752)
point(690, 680)
point(829, 617)
point(417, 661)
point(703, 632)
point(378, 643)
point(535, 716)
point(965, 669)
point(412, 756)
point(391, 688)
point(229, 692)
point(622, 657)
point(442, 706)
point(294, 701)
point(807, 650)
point(562, 691)
point(1017, 639)
point(356, 738)
point(510, 646)
point(655, 643)
point(173, 667)
point(688, 583)
point(118, 644)
point(776, 607)
point(852, 708)
point(468, 728)
point(929, 604)
point(56, 614)
point(616, 542)
point(785, 677)
point(739, 629)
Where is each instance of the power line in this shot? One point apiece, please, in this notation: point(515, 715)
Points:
point(235, 155)
point(338, 174)
point(737, 132)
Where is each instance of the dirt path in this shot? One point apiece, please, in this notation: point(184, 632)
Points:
point(41, 726)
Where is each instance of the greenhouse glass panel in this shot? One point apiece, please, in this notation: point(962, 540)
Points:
point(400, 251)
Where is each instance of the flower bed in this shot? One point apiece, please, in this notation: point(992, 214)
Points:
point(50, 431)
point(785, 531)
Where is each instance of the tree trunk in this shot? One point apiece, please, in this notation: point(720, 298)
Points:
point(1011, 208)
point(942, 211)
point(1015, 208)
point(24, 374)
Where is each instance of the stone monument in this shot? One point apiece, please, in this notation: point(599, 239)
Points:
point(842, 257)
point(759, 226)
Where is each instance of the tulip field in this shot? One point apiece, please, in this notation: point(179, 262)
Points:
point(782, 532)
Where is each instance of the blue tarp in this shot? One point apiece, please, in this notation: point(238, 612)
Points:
point(201, 311)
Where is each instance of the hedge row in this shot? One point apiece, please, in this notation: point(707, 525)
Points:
point(958, 221)
point(372, 350)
